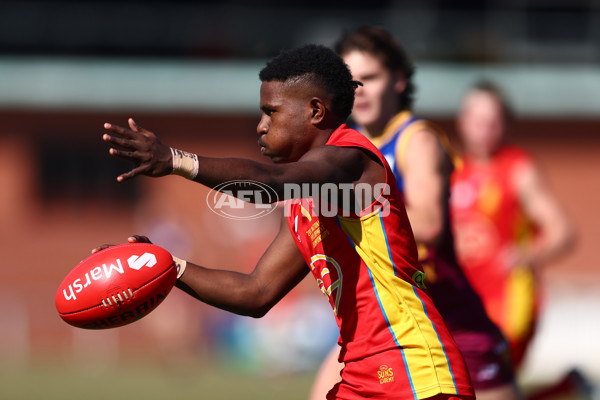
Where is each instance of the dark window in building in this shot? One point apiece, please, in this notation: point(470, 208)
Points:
point(80, 173)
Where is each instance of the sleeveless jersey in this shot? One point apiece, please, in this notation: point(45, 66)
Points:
point(455, 299)
point(367, 266)
point(489, 222)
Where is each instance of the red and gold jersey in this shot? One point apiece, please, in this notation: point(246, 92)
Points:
point(367, 265)
point(489, 224)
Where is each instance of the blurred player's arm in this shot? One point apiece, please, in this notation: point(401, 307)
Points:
point(279, 270)
point(556, 234)
point(422, 169)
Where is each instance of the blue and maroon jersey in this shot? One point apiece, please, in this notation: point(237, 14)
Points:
point(367, 265)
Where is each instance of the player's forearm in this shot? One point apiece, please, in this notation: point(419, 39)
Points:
point(214, 171)
point(228, 290)
point(554, 242)
point(427, 227)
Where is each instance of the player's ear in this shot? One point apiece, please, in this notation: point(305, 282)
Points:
point(318, 110)
point(399, 82)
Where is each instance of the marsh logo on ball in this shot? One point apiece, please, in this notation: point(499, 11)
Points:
point(242, 200)
point(146, 259)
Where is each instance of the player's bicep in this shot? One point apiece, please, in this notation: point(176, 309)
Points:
point(424, 184)
point(326, 164)
point(422, 166)
point(280, 268)
point(538, 202)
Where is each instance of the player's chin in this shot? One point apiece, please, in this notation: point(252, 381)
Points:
point(282, 160)
point(362, 118)
point(274, 157)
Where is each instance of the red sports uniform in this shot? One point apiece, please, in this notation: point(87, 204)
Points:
point(393, 341)
point(484, 348)
point(489, 223)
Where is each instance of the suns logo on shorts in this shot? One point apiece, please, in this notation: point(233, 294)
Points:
point(385, 374)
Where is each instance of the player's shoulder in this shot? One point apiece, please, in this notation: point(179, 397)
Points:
point(511, 156)
point(425, 135)
point(347, 154)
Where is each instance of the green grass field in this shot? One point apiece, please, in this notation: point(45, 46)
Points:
point(132, 382)
point(55, 381)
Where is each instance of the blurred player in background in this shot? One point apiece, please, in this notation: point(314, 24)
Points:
point(394, 342)
point(506, 221)
point(421, 160)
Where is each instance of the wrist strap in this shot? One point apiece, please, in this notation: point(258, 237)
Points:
point(185, 164)
point(180, 264)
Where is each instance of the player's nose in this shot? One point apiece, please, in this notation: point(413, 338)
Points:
point(262, 127)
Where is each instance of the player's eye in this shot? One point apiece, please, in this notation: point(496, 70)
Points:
point(268, 111)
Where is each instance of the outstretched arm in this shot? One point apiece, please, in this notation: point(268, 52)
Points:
point(323, 164)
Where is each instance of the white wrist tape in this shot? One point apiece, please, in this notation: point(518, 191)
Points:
point(180, 264)
point(185, 164)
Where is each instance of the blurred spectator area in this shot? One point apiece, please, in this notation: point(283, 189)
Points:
point(459, 30)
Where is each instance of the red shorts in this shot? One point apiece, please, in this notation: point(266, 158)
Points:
point(488, 358)
point(450, 397)
point(383, 376)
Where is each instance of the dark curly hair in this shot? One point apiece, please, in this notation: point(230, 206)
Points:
point(319, 65)
point(382, 45)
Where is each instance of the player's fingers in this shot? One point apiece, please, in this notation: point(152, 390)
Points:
point(101, 247)
point(133, 173)
point(126, 133)
point(136, 128)
point(125, 154)
point(132, 124)
point(117, 141)
point(138, 239)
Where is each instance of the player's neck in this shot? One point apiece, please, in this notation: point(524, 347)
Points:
point(480, 158)
point(483, 157)
point(372, 130)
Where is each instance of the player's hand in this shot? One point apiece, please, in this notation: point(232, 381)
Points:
point(140, 146)
point(130, 239)
point(514, 257)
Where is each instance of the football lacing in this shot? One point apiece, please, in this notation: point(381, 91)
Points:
point(118, 299)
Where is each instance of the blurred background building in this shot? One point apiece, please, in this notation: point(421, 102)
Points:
point(188, 70)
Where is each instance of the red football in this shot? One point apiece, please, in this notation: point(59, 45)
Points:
point(116, 286)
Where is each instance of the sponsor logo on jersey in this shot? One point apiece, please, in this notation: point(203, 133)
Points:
point(419, 278)
point(329, 278)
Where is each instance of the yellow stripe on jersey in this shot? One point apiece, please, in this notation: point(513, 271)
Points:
point(389, 132)
point(426, 361)
point(305, 212)
point(520, 307)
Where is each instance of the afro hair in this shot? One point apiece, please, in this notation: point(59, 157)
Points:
point(320, 65)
